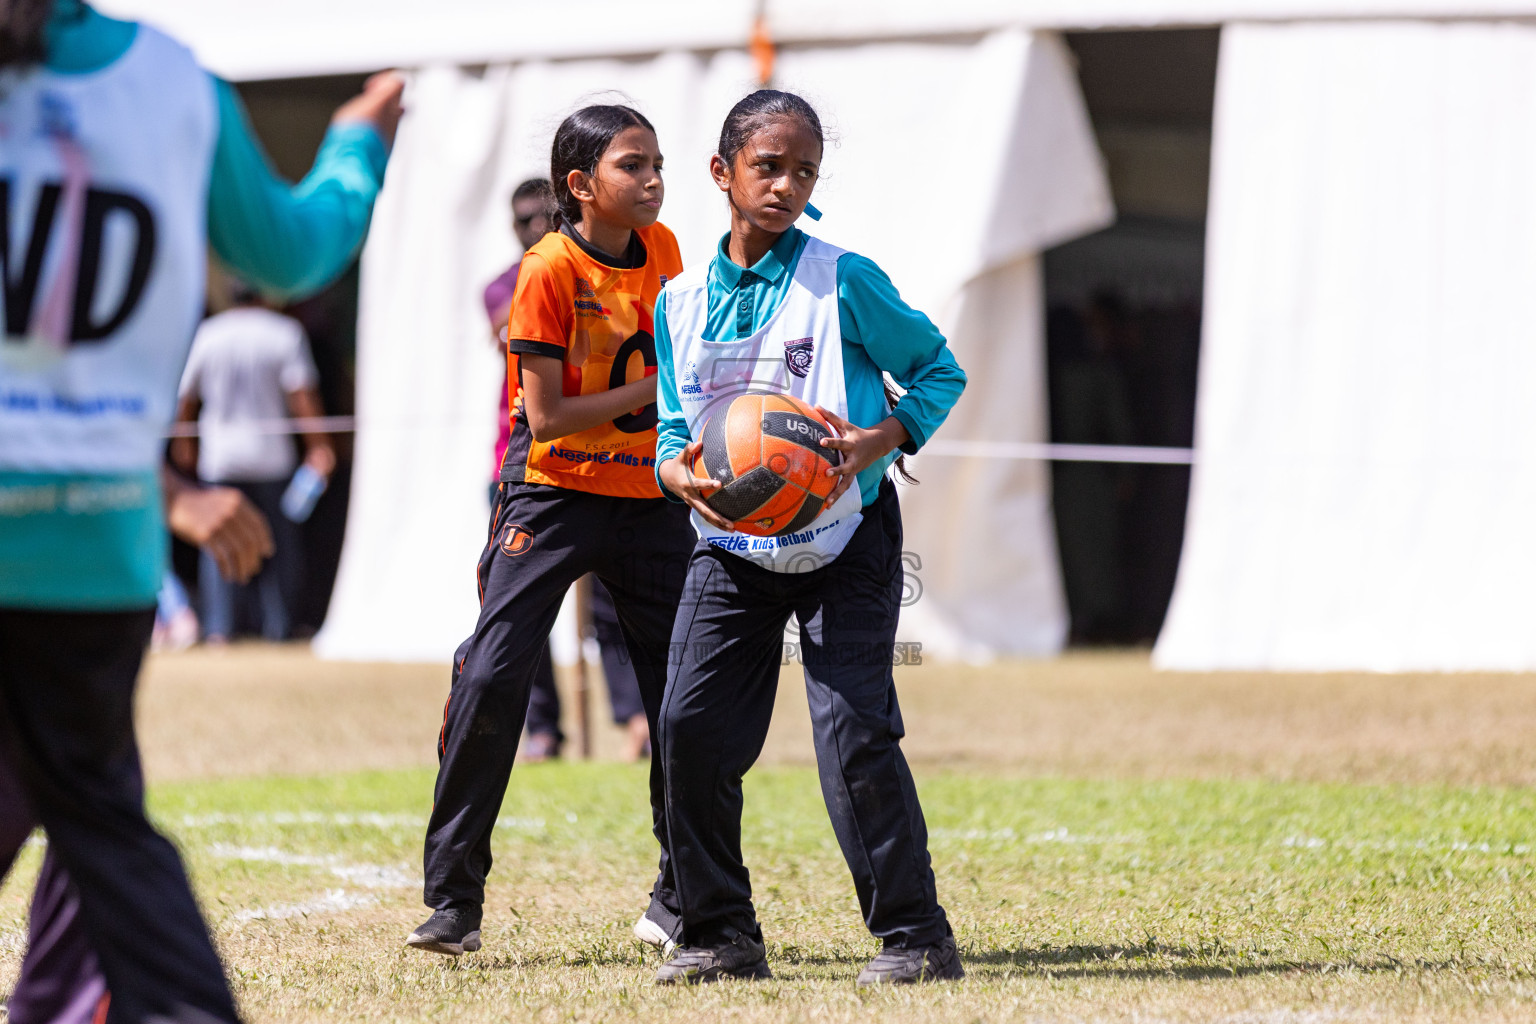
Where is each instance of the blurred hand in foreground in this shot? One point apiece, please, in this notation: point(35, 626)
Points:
point(378, 104)
point(222, 522)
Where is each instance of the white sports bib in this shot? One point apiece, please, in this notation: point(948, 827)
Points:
point(104, 188)
point(799, 352)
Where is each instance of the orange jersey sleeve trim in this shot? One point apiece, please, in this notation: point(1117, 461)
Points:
point(541, 306)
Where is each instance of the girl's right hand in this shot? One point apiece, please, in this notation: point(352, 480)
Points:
point(677, 477)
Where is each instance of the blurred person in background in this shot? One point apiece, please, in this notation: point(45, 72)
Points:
point(163, 153)
point(176, 624)
point(533, 216)
point(249, 369)
point(1089, 405)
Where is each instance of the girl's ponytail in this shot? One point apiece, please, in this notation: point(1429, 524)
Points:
point(901, 460)
point(21, 31)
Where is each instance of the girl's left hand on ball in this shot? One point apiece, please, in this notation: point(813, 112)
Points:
point(861, 447)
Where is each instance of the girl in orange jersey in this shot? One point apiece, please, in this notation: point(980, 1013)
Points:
point(578, 494)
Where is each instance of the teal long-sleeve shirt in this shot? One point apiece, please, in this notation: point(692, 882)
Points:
point(288, 240)
point(880, 332)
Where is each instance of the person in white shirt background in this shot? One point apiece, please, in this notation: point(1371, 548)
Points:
point(249, 369)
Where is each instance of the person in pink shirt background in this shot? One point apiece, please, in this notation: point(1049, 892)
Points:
point(532, 218)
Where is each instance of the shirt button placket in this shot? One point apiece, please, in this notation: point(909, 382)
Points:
point(744, 315)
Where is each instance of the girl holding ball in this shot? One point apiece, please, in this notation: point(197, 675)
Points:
point(823, 325)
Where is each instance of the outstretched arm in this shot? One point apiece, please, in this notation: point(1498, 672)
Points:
point(293, 240)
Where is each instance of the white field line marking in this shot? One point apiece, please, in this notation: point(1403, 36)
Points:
point(334, 901)
point(1306, 842)
point(370, 876)
point(362, 819)
point(1299, 842)
point(1008, 835)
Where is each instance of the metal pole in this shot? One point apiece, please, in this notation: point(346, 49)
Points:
point(584, 629)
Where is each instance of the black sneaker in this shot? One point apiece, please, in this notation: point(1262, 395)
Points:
point(742, 957)
point(939, 962)
point(452, 931)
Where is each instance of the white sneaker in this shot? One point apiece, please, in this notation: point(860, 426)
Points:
point(652, 934)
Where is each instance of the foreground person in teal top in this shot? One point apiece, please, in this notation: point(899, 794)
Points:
point(287, 240)
point(80, 508)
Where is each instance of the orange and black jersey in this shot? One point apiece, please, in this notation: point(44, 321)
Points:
point(593, 312)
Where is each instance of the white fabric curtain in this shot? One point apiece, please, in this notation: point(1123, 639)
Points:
point(246, 39)
point(954, 164)
point(1366, 418)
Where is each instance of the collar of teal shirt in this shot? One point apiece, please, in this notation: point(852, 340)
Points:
point(770, 267)
point(79, 40)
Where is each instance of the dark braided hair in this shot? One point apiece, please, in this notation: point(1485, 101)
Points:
point(751, 115)
point(21, 31)
point(580, 142)
point(755, 112)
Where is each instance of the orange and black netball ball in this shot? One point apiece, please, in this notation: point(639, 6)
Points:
point(764, 449)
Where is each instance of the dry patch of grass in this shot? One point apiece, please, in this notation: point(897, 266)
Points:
point(257, 709)
point(1109, 715)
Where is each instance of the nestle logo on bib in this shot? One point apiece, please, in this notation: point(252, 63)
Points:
point(798, 355)
point(691, 385)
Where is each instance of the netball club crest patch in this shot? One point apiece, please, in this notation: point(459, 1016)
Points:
point(798, 355)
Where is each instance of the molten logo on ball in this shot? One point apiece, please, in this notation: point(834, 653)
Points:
point(764, 449)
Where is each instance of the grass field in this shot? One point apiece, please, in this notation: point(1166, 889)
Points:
point(1111, 844)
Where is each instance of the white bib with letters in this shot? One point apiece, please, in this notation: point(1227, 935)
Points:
point(103, 201)
point(799, 352)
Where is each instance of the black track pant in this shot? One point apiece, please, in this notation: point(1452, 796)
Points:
point(66, 722)
point(542, 540)
point(623, 691)
point(728, 646)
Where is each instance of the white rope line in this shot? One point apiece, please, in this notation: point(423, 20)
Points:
point(1039, 452)
point(1029, 451)
point(296, 425)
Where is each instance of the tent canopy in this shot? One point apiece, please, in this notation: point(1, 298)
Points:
point(978, 536)
point(294, 38)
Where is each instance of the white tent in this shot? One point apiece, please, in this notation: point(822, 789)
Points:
point(1000, 163)
point(1366, 421)
point(289, 38)
point(428, 380)
point(1363, 401)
